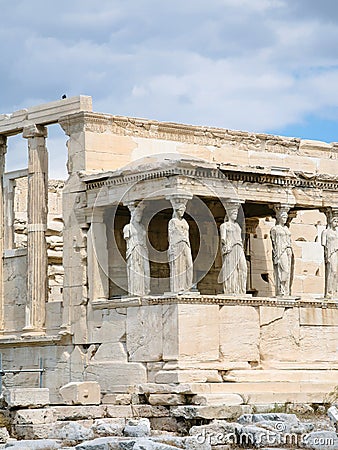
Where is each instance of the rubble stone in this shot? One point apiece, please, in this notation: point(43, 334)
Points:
point(108, 427)
point(137, 428)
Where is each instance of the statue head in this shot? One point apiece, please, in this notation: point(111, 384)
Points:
point(136, 212)
point(179, 205)
point(179, 210)
point(282, 216)
point(232, 211)
point(334, 222)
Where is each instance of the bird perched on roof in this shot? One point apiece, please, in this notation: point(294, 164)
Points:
point(64, 96)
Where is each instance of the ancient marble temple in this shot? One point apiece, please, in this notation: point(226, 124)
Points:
point(197, 262)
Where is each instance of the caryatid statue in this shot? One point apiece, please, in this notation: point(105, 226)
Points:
point(234, 269)
point(179, 251)
point(138, 268)
point(330, 244)
point(282, 254)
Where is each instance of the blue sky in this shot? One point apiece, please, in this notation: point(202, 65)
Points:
point(257, 65)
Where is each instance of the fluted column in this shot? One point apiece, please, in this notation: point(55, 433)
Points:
point(3, 150)
point(36, 228)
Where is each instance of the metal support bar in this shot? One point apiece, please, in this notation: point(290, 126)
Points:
point(39, 370)
point(0, 373)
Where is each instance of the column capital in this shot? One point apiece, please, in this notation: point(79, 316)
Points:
point(330, 212)
point(231, 204)
point(251, 224)
point(179, 198)
point(281, 207)
point(134, 204)
point(33, 131)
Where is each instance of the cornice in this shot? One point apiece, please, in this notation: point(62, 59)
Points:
point(43, 340)
point(245, 175)
point(221, 300)
point(295, 180)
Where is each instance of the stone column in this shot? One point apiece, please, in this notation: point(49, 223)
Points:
point(251, 224)
point(3, 150)
point(8, 194)
point(98, 276)
point(36, 227)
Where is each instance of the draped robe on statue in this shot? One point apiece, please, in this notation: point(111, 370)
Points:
point(138, 270)
point(282, 258)
point(330, 242)
point(234, 269)
point(179, 253)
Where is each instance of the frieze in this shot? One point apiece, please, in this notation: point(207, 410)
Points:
point(189, 134)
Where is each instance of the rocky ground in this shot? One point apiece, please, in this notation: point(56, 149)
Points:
point(251, 431)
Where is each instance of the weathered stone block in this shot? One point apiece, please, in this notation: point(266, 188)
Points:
point(79, 412)
point(198, 332)
point(167, 399)
point(72, 432)
point(111, 351)
point(33, 431)
point(41, 444)
point(119, 411)
point(27, 397)
point(165, 424)
point(117, 399)
point(109, 427)
point(81, 393)
point(68, 432)
point(137, 428)
point(34, 416)
point(150, 411)
point(110, 374)
point(187, 376)
point(318, 343)
point(318, 317)
point(144, 333)
point(239, 333)
point(101, 443)
point(217, 399)
point(157, 388)
point(209, 412)
point(280, 334)
point(4, 435)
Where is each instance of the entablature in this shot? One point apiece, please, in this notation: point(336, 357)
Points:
point(210, 180)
